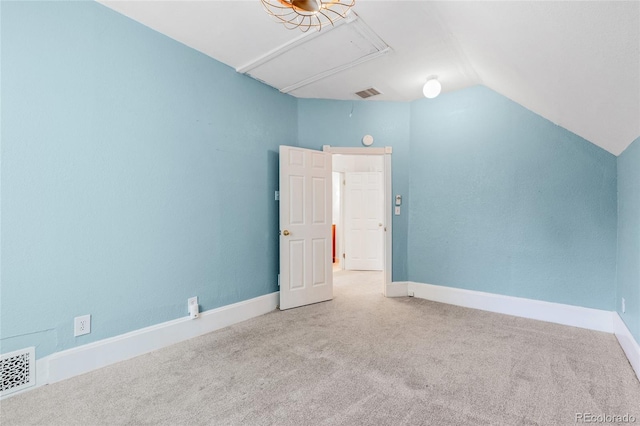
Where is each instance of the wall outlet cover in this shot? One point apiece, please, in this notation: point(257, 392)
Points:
point(81, 325)
point(193, 308)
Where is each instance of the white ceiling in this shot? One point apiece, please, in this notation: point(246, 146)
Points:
point(575, 63)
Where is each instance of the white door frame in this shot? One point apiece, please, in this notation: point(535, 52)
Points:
point(388, 200)
point(339, 233)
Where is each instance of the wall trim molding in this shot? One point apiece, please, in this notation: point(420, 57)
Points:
point(357, 150)
point(629, 345)
point(83, 359)
point(397, 289)
point(576, 316)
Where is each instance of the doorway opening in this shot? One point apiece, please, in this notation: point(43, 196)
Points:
point(361, 216)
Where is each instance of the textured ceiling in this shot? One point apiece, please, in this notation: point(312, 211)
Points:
point(575, 63)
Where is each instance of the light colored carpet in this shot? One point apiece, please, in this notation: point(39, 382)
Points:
point(359, 359)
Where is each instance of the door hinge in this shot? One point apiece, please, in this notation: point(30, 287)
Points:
point(344, 182)
point(343, 256)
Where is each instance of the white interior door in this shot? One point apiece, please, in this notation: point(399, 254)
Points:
point(364, 239)
point(305, 227)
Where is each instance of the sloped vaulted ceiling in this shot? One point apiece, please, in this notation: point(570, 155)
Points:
point(575, 63)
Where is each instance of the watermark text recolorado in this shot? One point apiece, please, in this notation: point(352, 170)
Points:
point(604, 418)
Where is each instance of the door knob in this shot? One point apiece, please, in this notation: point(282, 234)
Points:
point(285, 232)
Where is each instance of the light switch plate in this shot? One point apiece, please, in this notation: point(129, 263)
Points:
point(397, 211)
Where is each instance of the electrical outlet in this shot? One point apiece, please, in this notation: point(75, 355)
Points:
point(193, 308)
point(81, 325)
point(624, 307)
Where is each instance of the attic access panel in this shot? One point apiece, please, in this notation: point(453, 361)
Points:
point(314, 56)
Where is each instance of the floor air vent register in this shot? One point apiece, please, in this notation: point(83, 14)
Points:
point(18, 370)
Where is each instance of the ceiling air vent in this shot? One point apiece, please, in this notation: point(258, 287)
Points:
point(367, 93)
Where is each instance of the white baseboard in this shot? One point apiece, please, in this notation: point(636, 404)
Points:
point(397, 289)
point(628, 343)
point(82, 359)
point(576, 316)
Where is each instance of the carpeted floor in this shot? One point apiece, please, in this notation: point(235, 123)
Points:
point(360, 359)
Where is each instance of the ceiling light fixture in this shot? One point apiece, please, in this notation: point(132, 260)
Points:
point(432, 87)
point(307, 14)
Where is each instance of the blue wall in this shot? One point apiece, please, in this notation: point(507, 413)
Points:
point(628, 284)
point(136, 172)
point(343, 124)
point(504, 201)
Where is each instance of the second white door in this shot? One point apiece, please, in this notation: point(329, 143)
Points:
point(364, 227)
